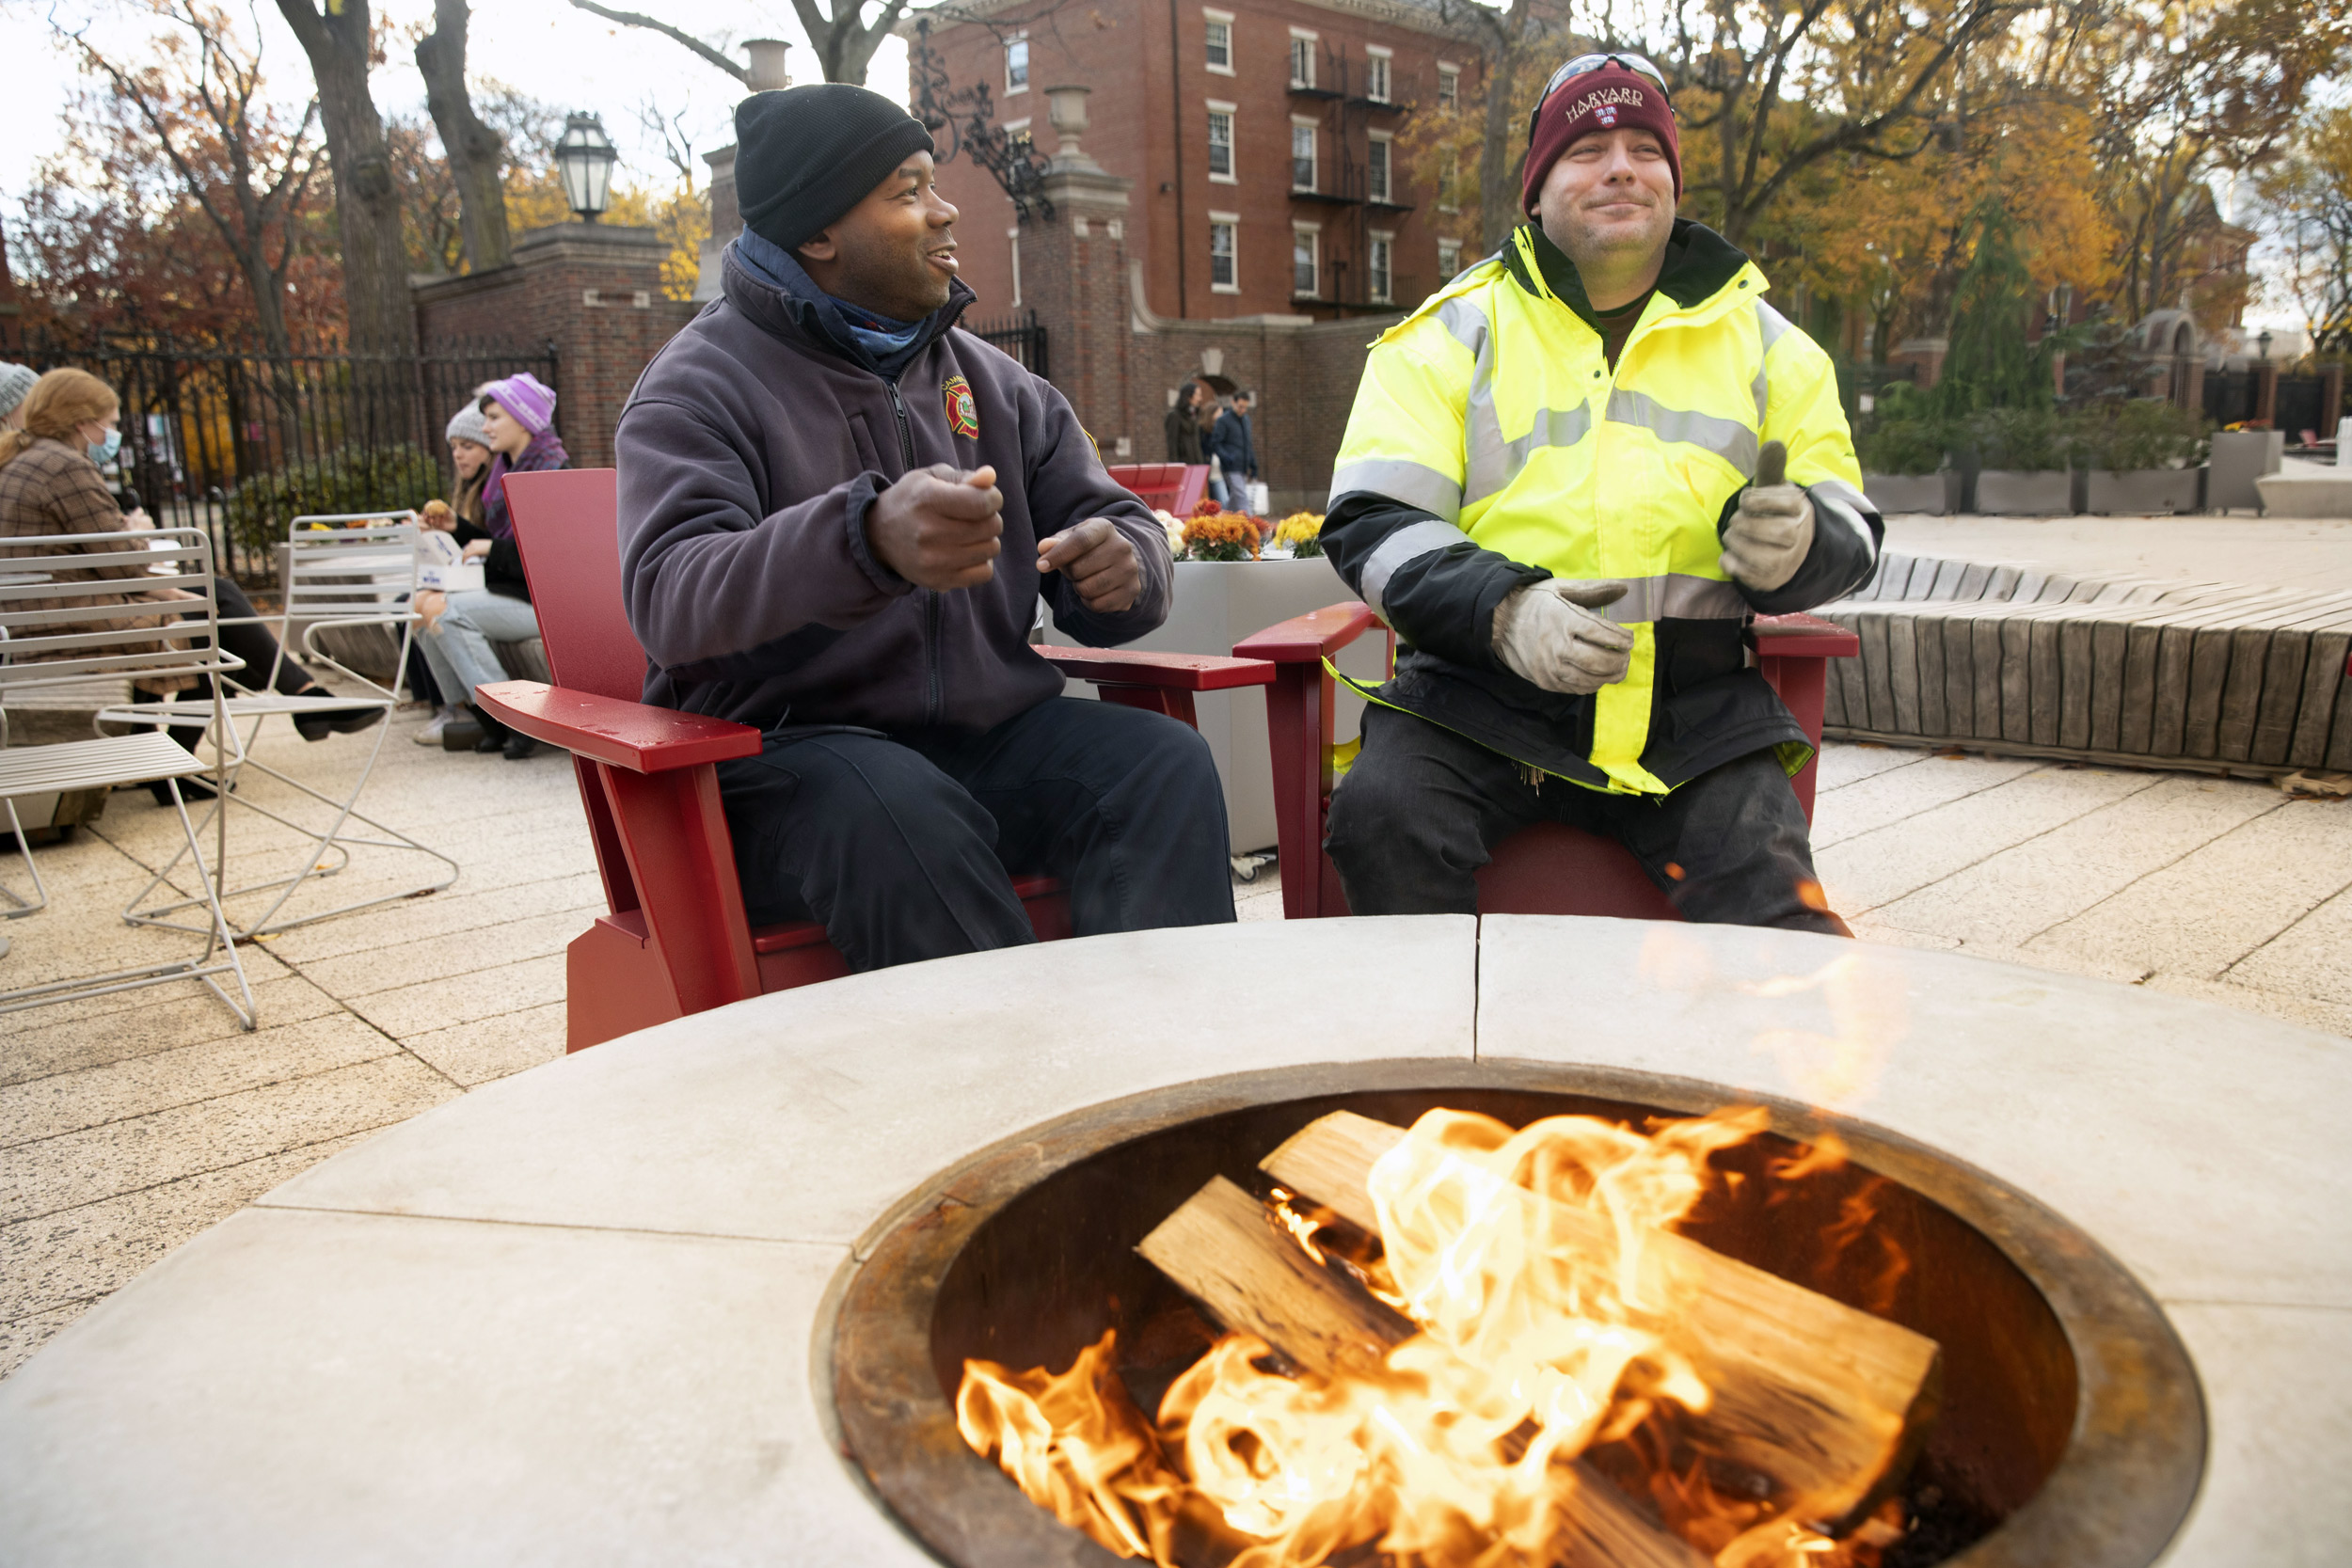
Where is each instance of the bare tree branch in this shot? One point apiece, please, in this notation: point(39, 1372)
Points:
point(652, 24)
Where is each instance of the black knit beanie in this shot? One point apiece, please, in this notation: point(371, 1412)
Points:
point(805, 156)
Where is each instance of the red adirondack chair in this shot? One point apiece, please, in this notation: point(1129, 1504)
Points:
point(1546, 869)
point(1173, 487)
point(674, 939)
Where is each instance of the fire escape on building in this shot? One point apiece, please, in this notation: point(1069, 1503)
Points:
point(1349, 196)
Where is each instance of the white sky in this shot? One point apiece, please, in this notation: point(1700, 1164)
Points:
point(547, 49)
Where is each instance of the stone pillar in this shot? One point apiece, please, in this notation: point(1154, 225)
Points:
point(1074, 277)
point(727, 221)
point(593, 293)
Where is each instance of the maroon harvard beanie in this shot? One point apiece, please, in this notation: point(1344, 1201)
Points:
point(1611, 98)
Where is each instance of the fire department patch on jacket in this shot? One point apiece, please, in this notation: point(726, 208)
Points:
point(963, 414)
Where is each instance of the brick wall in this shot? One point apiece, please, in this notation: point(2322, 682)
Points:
point(594, 290)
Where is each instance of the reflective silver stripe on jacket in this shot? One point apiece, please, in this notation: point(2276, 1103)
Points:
point(1409, 543)
point(1728, 439)
point(1673, 595)
point(1494, 463)
point(1838, 502)
point(1399, 479)
point(1770, 326)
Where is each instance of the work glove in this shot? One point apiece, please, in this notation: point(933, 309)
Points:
point(1771, 530)
point(1548, 634)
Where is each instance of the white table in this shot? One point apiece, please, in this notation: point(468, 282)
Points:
point(573, 1317)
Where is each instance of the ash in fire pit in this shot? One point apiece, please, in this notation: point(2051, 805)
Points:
point(1543, 1327)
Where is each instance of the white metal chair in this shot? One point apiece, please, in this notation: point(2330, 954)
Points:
point(44, 645)
point(343, 570)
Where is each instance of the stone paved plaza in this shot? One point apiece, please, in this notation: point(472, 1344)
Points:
point(130, 1123)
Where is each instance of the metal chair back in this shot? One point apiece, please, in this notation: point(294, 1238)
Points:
point(350, 569)
point(58, 631)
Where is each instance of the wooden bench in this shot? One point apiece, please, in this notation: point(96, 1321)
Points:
point(2143, 672)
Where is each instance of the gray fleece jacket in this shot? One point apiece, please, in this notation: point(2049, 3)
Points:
point(749, 453)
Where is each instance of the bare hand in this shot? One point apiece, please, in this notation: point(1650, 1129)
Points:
point(939, 527)
point(136, 520)
point(1100, 562)
point(428, 605)
point(478, 550)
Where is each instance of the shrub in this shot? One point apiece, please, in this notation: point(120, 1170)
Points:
point(1905, 446)
point(347, 479)
point(2143, 432)
point(2027, 439)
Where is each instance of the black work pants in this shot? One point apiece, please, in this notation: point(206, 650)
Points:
point(1423, 808)
point(903, 847)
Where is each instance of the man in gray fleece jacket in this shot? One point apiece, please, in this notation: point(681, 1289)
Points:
point(838, 512)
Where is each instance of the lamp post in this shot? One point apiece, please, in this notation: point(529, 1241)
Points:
point(584, 159)
point(2261, 342)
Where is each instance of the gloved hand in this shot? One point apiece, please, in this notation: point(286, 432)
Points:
point(1547, 633)
point(1771, 532)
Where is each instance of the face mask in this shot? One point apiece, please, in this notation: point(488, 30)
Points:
point(104, 450)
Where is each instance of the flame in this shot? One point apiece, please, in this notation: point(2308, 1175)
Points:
point(1545, 1331)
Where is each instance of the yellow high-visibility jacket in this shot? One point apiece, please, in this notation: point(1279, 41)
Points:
point(1491, 445)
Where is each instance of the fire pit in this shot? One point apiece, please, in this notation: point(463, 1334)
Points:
point(704, 1293)
point(2070, 1431)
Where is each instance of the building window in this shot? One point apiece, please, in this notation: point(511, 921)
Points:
point(1224, 265)
point(1376, 169)
point(1017, 132)
point(1017, 63)
point(1450, 257)
point(1376, 74)
point(1302, 156)
point(1220, 41)
point(1306, 258)
point(1449, 87)
point(1221, 142)
point(1376, 268)
point(1449, 181)
point(1014, 235)
point(1302, 58)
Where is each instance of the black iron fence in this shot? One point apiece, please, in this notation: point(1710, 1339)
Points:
point(1023, 337)
point(2230, 398)
point(239, 443)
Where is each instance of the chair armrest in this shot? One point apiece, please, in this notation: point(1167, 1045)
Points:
point(1312, 637)
point(1180, 672)
point(1803, 637)
point(610, 730)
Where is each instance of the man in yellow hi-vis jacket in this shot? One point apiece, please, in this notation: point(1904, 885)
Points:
point(1561, 485)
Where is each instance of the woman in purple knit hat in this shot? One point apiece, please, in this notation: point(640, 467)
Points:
point(518, 420)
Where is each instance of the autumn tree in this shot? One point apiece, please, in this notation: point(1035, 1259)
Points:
point(2309, 194)
point(210, 221)
point(340, 39)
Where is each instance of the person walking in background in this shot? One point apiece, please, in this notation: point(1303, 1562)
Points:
point(519, 425)
point(15, 381)
point(1236, 454)
point(1184, 426)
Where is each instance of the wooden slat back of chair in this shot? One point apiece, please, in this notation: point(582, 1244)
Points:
point(59, 643)
point(568, 525)
point(336, 571)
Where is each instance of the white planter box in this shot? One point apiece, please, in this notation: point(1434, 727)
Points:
point(2143, 492)
point(2239, 458)
point(1936, 494)
point(1218, 604)
point(2025, 492)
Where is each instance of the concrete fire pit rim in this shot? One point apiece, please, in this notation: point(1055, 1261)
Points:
point(2122, 1491)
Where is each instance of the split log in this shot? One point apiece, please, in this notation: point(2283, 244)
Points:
point(1828, 1401)
point(1222, 1249)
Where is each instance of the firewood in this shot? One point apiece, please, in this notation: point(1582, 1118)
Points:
point(1222, 1249)
point(1828, 1401)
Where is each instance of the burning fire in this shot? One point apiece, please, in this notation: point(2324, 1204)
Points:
point(1548, 1320)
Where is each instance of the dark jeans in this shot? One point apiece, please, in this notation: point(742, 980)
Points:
point(904, 846)
point(1423, 808)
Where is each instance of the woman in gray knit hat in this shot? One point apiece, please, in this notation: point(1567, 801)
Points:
point(15, 381)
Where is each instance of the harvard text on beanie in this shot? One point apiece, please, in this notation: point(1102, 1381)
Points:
point(1611, 98)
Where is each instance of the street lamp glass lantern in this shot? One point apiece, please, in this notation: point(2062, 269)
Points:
point(584, 160)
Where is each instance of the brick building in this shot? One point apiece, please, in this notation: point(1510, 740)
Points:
point(1259, 137)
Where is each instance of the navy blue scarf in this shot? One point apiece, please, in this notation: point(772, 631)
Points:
point(877, 342)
